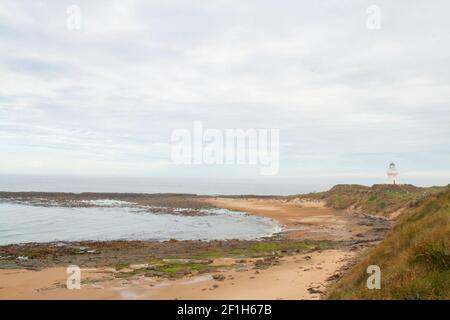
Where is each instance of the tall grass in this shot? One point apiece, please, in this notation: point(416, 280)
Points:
point(376, 200)
point(414, 259)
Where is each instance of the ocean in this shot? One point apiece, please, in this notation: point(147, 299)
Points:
point(200, 185)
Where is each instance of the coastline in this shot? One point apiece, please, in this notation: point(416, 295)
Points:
point(316, 245)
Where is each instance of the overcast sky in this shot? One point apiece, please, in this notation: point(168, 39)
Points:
point(348, 100)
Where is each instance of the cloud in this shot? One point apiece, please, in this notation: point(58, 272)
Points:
point(344, 97)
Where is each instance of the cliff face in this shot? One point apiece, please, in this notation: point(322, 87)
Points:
point(414, 258)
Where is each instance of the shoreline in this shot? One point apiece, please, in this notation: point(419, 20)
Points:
point(308, 219)
point(313, 250)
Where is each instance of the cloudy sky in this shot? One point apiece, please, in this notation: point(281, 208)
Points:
point(104, 99)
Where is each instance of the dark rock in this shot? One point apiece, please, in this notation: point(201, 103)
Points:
point(218, 277)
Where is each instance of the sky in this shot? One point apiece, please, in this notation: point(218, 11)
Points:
point(347, 99)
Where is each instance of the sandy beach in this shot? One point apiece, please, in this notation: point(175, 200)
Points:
point(296, 277)
point(291, 276)
point(301, 219)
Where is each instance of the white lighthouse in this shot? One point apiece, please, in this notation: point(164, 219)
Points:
point(392, 174)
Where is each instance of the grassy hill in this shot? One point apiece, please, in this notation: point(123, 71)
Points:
point(376, 200)
point(414, 258)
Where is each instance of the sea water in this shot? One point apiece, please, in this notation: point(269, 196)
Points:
point(22, 223)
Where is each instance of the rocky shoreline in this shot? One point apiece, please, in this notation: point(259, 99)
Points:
point(111, 253)
point(178, 204)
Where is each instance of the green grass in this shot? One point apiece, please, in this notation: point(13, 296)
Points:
point(376, 200)
point(414, 259)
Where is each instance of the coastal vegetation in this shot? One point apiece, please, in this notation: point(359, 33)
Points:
point(414, 259)
point(381, 199)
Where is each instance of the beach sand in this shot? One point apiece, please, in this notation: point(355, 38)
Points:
point(296, 277)
point(301, 219)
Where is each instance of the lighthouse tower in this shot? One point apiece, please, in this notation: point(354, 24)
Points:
point(392, 174)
